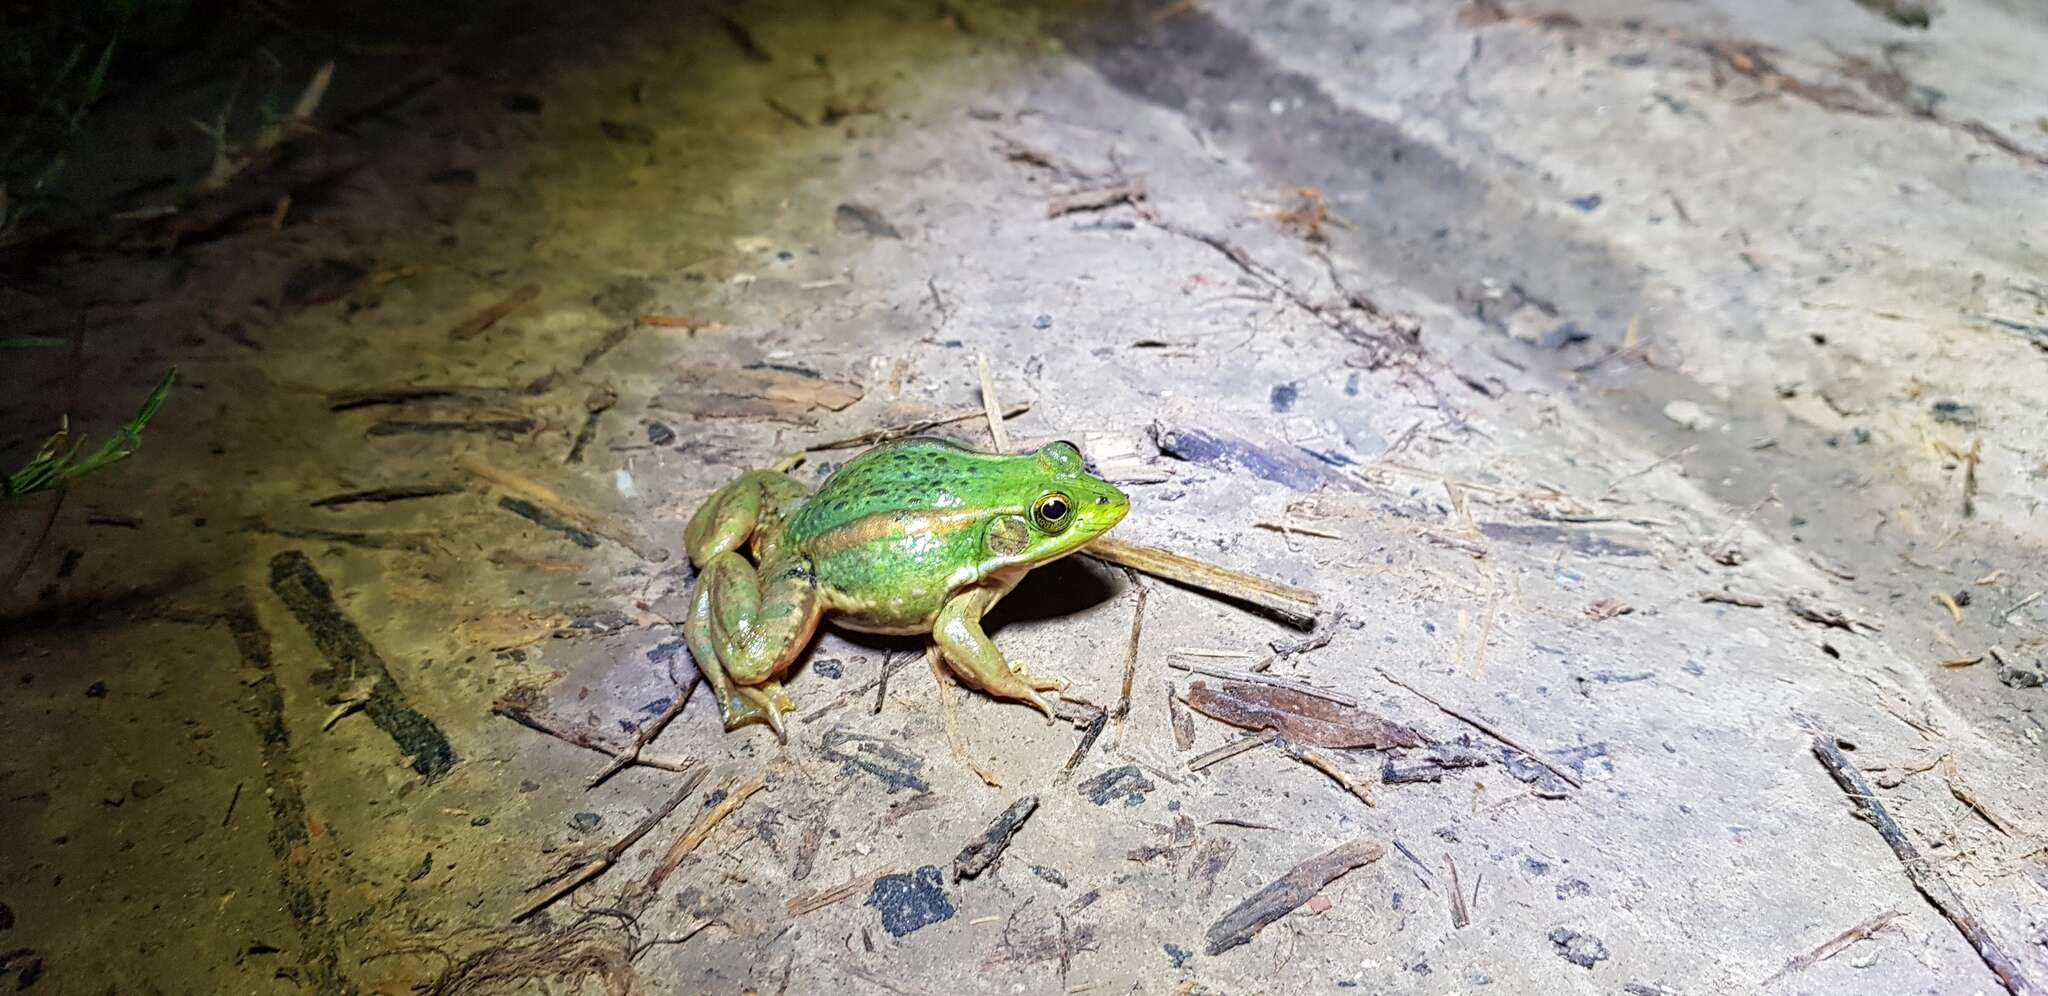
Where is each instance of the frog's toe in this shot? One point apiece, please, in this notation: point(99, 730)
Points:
point(780, 697)
point(769, 709)
point(738, 710)
point(1038, 702)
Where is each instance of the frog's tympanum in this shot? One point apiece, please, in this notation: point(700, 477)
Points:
point(916, 536)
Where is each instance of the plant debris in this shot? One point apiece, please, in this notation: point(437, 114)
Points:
point(1298, 717)
point(1833, 946)
point(727, 392)
point(1097, 198)
point(1583, 950)
point(1127, 783)
point(878, 436)
point(1296, 605)
point(1810, 608)
point(603, 862)
point(387, 495)
point(814, 901)
point(859, 219)
point(1284, 894)
point(1921, 872)
point(475, 325)
point(982, 851)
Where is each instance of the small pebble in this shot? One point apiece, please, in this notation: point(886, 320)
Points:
point(1583, 950)
point(1954, 413)
point(480, 821)
point(585, 822)
point(1689, 415)
point(1042, 322)
point(2015, 677)
point(911, 901)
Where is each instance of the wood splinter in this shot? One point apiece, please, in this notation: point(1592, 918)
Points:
point(812, 902)
point(673, 857)
point(982, 851)
point(1287, 892)
point(1360, 789)
point(1833, 946)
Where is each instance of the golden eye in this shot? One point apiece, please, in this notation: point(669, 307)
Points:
point(1052, 512)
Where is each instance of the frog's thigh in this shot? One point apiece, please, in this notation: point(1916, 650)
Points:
point(761, 620)
point(735, 710)
point(724, 521)
point(975, 658)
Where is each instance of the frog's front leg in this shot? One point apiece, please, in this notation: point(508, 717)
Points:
point(974, 656)
point(744, 628)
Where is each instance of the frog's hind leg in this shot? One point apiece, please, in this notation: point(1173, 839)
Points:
point(735, 710)
point(751, 508)
point(974, 656)
point(724, 522)
point(752, 624)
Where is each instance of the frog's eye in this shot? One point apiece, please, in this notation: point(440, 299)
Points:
point(1053, 512)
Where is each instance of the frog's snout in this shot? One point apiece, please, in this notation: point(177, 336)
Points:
point(1106, 508)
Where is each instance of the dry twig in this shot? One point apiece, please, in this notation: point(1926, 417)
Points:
point(949, 712)
point(1297, 605)
point(878, 436)
point(603, 862)
point(1488, 729)
point(673, 857)
point(1232, 749)
point(519, 707)
point(1833, 946)
point(646, 734)
point(990, 406)
point(1921, 872)
point(1257, 678)
point(814, 901)
point(1123, 702)
point(475, 325)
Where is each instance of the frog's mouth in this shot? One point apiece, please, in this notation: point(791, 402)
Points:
point(1105, 509)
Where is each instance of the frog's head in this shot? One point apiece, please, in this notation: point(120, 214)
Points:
point(1059, 507)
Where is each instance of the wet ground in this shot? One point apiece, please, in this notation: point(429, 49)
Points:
point(1655, 385)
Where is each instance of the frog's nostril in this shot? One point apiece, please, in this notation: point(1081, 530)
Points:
point(1101, 499)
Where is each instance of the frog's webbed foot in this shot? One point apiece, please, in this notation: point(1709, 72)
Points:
point(765, 705)
point(1038, 683)
point(736, 710)
point(742, 633)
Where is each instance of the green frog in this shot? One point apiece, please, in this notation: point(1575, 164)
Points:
point(920, 535)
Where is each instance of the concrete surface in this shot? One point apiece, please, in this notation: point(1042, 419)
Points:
point(1796, 228)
